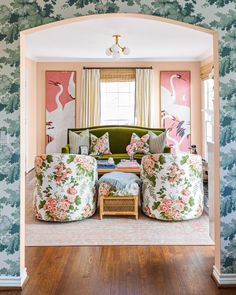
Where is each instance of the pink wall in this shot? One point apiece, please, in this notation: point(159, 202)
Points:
point(194, 67)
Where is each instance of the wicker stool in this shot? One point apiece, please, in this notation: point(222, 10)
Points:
point(119, 205)
point(117, 201)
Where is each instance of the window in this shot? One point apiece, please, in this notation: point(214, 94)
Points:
point(117, 98)
point(117, 103)
point(209, 109)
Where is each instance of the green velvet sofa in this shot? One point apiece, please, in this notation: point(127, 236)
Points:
point(119, 137)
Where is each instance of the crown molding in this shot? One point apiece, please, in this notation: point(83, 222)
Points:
point(123, 60)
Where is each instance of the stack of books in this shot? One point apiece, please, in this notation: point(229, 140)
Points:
point(104, 164)
point(128, 164)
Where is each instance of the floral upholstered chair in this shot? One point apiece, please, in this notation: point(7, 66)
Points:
point(65, 187)
point(172, 186)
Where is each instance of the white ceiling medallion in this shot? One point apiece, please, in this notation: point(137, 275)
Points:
point(115, 50)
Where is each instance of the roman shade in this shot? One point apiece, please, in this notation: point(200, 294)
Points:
point(205, 71)
point(117, 75)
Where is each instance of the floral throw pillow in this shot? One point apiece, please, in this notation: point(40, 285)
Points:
point(142, 143)
point(100, 146)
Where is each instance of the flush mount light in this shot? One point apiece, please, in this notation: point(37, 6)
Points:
point(115, 50)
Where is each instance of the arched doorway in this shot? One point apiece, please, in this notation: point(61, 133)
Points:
point(216, 103)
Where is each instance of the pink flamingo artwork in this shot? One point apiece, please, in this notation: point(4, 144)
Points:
point(60, 108)
point(175, 108)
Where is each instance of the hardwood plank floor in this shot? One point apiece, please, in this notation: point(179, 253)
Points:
point(121, 270)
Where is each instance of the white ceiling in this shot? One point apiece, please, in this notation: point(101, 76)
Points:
point(148, 40)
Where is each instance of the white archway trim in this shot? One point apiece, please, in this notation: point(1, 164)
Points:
point(216, 275)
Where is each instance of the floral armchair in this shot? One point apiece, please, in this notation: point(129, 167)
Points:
point(65, 187)
point(172, 186)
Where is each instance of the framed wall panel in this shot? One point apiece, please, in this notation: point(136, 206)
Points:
point(60, 108)
point(175, 108)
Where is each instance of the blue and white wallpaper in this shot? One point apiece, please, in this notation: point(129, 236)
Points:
point(18, 15)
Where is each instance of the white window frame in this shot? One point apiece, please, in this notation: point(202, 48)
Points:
point(208, 92)
point(130, 119)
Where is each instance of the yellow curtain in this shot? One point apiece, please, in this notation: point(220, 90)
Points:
point(117, 75)
point(90, 103)
point(144, 97)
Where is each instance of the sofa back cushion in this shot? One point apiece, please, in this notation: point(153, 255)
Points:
point(119, 136)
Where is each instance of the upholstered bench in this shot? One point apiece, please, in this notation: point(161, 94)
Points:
point(118, 194)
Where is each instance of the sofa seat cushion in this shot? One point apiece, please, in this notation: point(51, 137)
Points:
point(66, 150)
point(118, 156)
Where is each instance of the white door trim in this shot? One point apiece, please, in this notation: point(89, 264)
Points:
point(223, 279)
point(13, 282)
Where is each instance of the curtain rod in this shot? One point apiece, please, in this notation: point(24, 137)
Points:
point(107, 68)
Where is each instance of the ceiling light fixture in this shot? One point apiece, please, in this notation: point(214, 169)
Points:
point(115, 50)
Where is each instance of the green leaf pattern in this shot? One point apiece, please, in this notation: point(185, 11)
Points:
point(17, 15)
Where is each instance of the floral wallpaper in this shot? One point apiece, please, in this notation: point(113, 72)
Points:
point(18, 15)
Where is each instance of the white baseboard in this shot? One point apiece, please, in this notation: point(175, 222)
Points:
point(224, 279)
point(13, 282)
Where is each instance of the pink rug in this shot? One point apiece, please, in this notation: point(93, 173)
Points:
point(114, 230)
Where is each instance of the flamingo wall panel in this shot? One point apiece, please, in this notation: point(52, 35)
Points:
point(175, 108)
point(60, 108)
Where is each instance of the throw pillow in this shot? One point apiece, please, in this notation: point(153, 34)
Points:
point(142, 143)
point(157, 143)
point(76, 140)
point(100, 146)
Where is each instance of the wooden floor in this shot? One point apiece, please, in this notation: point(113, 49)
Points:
point(120, 270)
